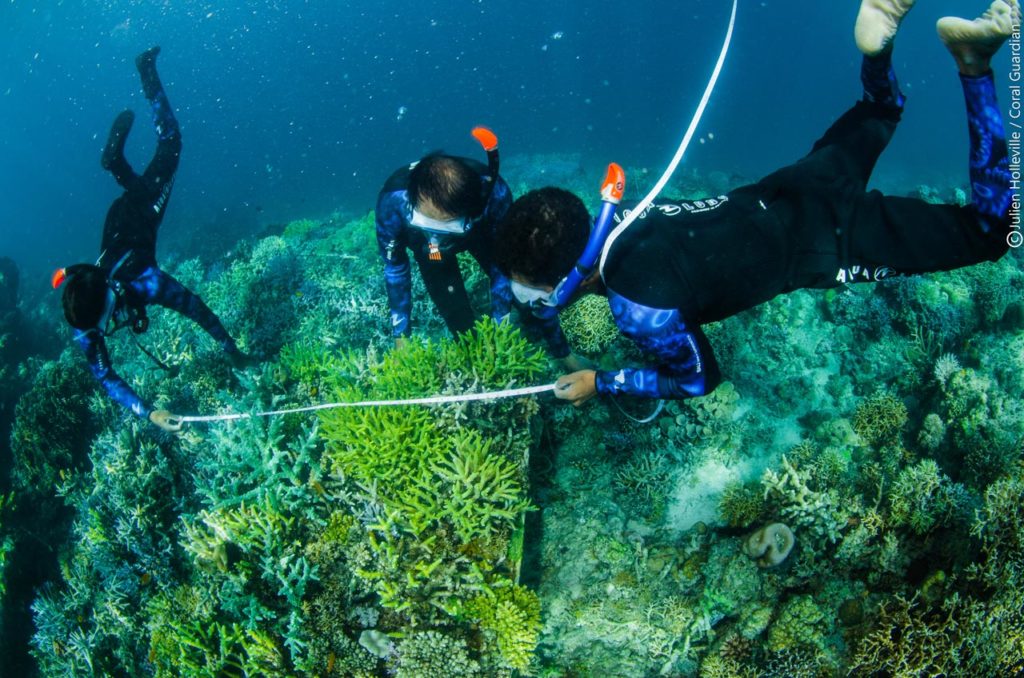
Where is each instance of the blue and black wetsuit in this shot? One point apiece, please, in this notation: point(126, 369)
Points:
point(129, 244)
point(809, 225)
point(396, 236)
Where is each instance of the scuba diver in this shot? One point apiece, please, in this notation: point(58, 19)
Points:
point(438, 207)
point(808, 225)
point(112, 294)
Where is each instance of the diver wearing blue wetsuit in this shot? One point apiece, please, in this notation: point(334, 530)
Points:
point(809, 225)
point(438, 207)
point(99, 299)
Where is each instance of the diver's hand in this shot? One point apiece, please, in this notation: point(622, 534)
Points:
point(574, 363)
point(578, 387)
point(166, 420)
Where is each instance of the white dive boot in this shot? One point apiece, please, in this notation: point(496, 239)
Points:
point(877, 23)
point(973, 42)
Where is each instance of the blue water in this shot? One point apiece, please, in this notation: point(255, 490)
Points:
point(293, 109)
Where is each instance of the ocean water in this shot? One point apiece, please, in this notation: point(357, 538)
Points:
point(294, 108)
point(883, 424)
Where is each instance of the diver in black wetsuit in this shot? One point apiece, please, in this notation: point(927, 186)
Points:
point(112, 294)
point(809, 225)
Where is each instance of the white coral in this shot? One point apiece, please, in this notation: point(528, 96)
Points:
point(945, 367)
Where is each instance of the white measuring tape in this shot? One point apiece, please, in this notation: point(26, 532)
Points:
point(432, 400)
point(649, 198)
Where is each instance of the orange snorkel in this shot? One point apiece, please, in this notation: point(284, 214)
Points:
point(489, 142)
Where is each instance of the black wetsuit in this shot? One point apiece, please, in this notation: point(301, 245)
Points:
point(808, 225)
point(128, 248)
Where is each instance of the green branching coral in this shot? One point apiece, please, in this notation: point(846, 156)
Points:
point(46, 448)
point(880, 418)
point(388, 446)
point(741, 504)
point(960, 637)
point(310, 363)
point(923, 498)
point(479, 493)
point(510, 617)
point(1000, 526)
point(646, 475)
point(588, 324)
point(495, 354)
point(215, 650)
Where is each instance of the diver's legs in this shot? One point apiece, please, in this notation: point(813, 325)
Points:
point(113, 159)
point(165, 161)
point(877, 23)
point(446, 288)
point(903, 235)
point(991, 192)
point(972, 43)
point(879, 80)
point(163, 289)
point(854, 142)
point(163, 116)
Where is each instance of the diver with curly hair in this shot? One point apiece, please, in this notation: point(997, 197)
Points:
point(812, 224)
point(113, 293)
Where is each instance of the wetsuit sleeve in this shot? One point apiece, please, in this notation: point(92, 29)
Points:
point(501, 288)
point(391, 244)
point(95, 349)
point(686, 365)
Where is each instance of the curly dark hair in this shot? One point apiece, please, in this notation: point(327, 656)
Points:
point(450, 184)
point(85, 295)
point(542, 236)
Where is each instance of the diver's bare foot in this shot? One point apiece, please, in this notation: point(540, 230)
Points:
point(877, 23)
point(972, 43)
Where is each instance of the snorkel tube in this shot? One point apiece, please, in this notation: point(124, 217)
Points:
point(489, 141)
point(611, 194)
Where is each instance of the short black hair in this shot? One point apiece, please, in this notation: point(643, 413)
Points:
point(450, 184)
point(542, 236)
point(85, 296)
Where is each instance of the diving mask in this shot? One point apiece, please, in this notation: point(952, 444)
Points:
point(108, 321)
point(534, 297)
point(457, 226)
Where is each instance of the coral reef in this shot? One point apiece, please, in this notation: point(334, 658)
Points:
point(520, 537)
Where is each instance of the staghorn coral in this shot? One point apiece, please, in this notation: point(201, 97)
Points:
point(880, 418)
point(923, 498)
point(478, 493)
point(962, 636)
point(741, 504)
